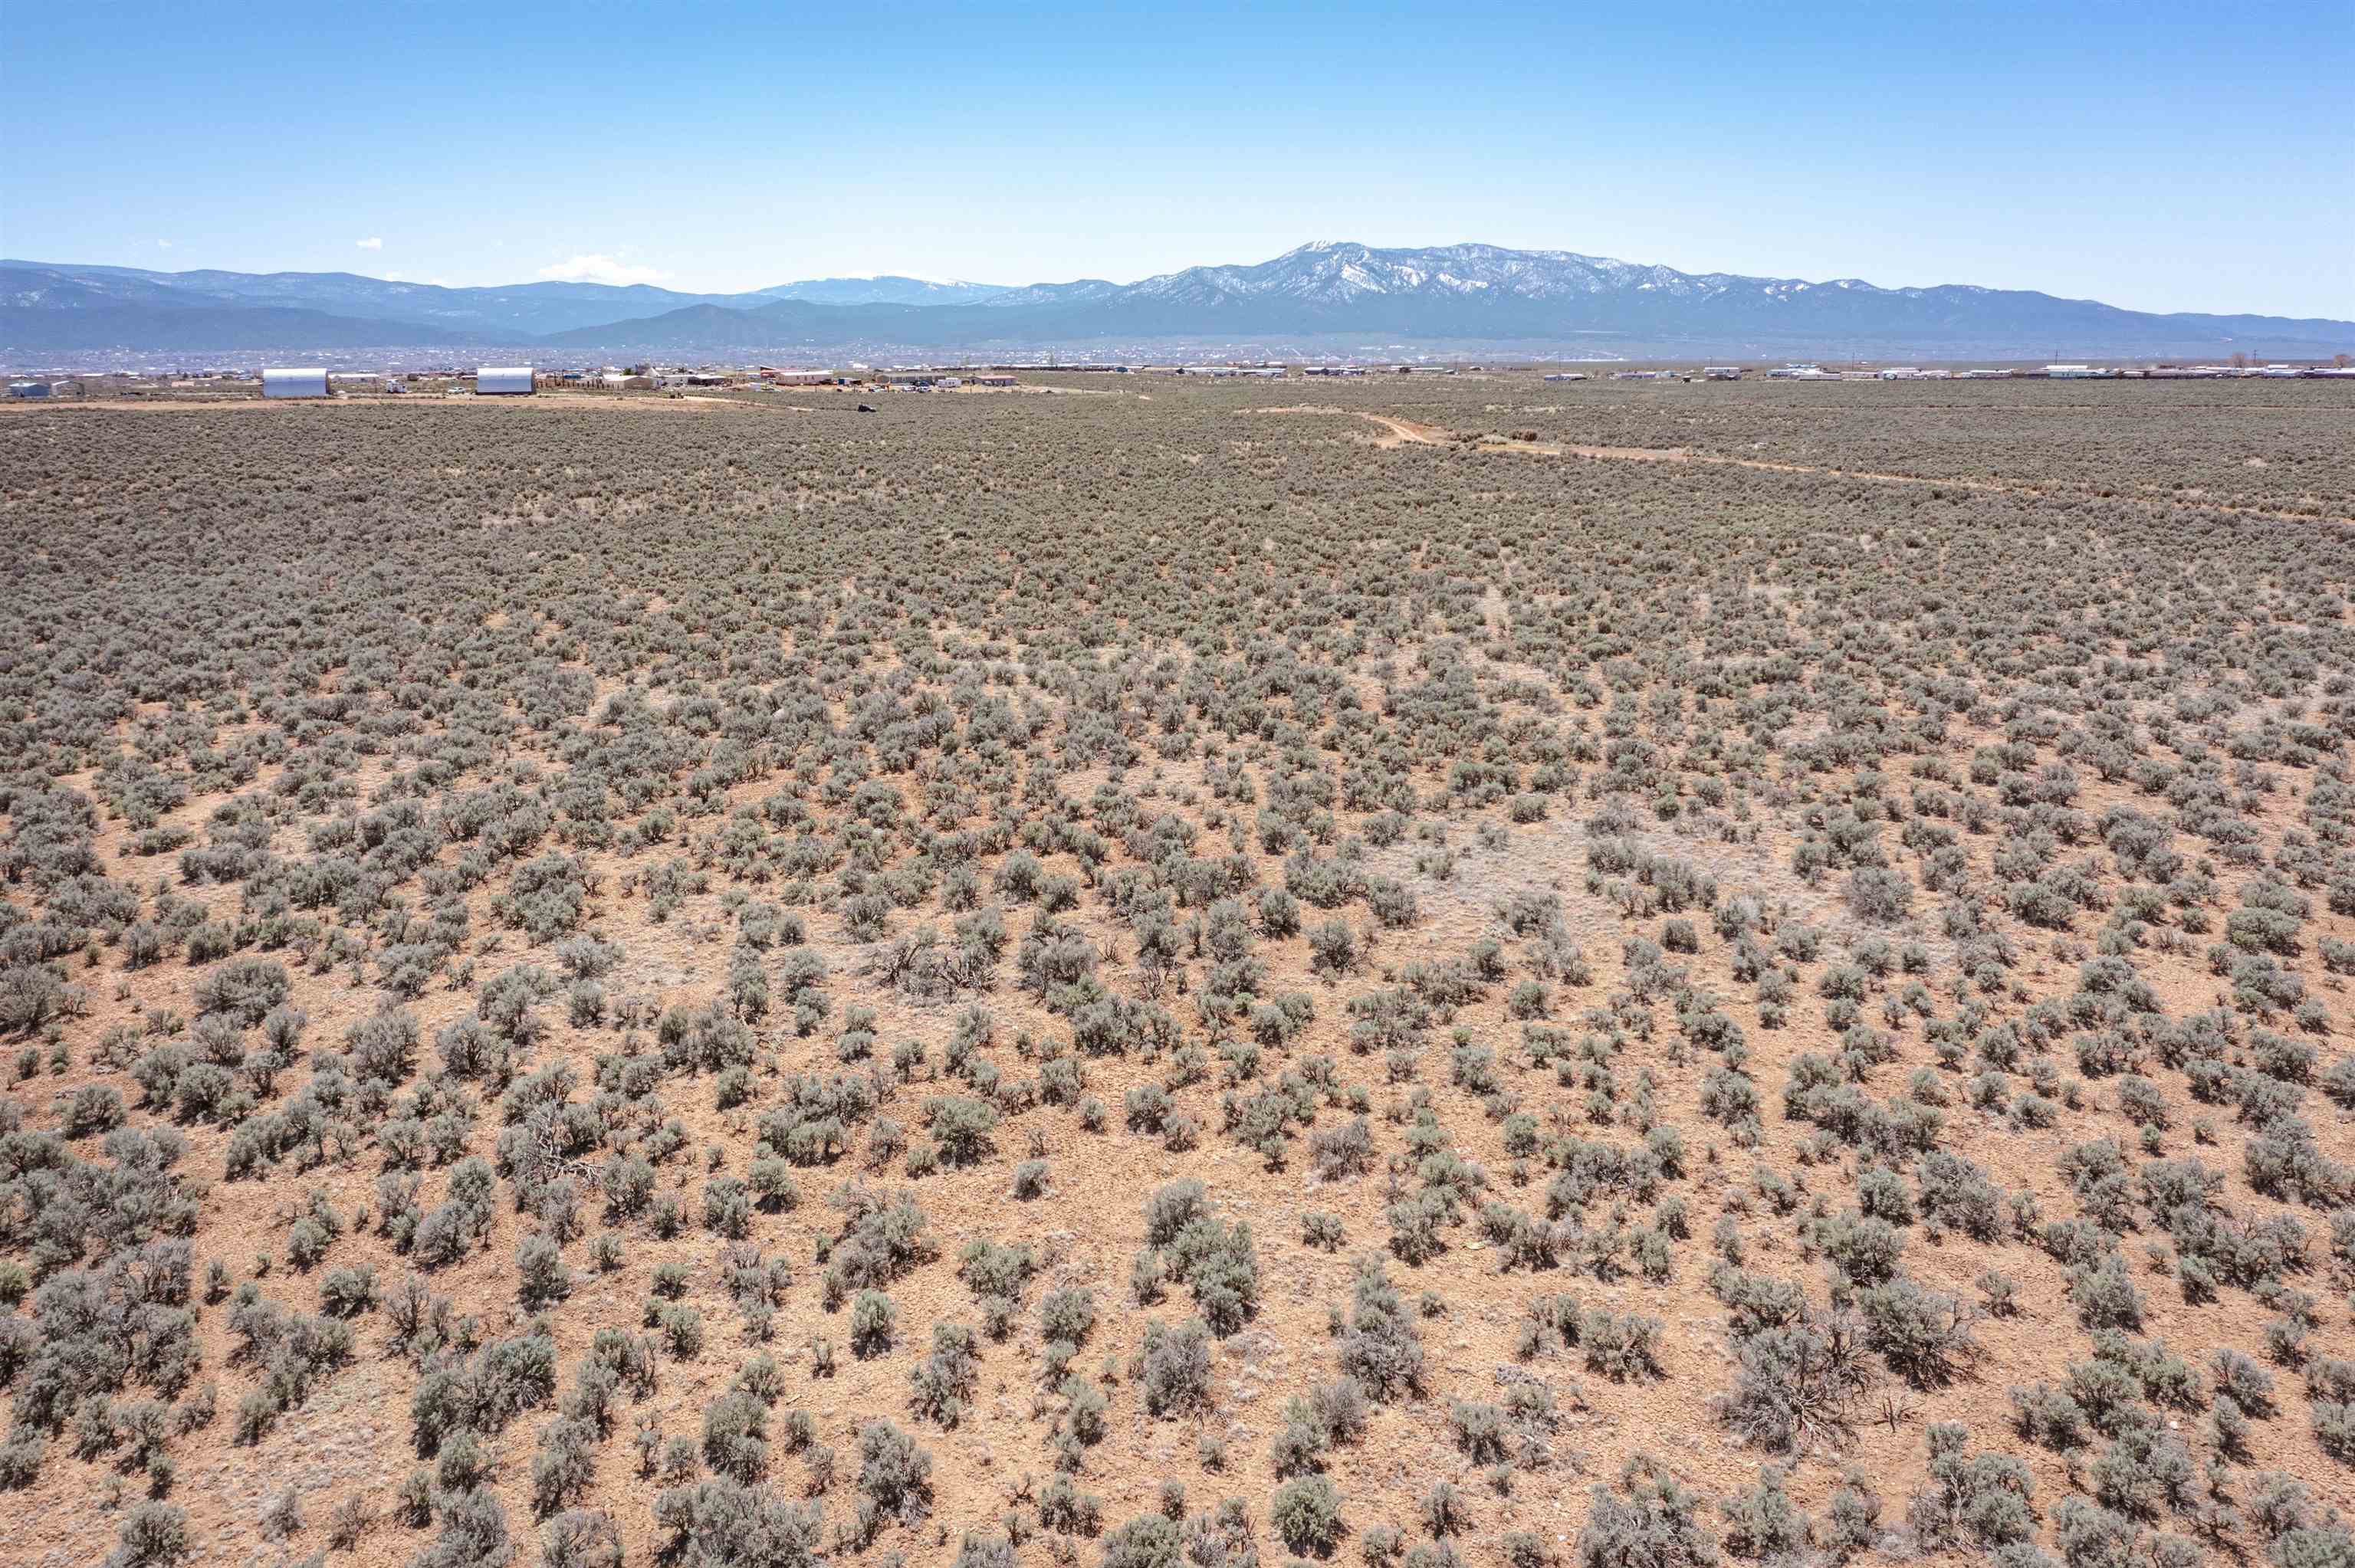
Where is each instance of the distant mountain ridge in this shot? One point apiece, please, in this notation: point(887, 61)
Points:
point(888, 288)
point(1468, 293)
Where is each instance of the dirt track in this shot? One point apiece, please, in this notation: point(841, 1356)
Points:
point(1407, 432)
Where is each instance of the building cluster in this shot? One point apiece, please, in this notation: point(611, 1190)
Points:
point(522, 380)
point(1706, 373)
point(318, 381)
point(2064, 372)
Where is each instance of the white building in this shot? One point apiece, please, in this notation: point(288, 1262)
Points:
point(1721, 372)
point(306, 383)
point(1566, 375)
point(1900, 372)
point(502, 380)
point(2072, 372)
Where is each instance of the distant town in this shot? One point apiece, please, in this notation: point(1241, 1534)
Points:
point(318, 381)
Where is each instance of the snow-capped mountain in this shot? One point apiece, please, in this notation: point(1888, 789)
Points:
point(1331, 272)
point(1489, 291)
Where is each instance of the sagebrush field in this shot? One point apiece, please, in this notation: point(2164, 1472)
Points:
point(1174, 973)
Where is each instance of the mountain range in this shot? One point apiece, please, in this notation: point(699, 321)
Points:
point(1322, 293)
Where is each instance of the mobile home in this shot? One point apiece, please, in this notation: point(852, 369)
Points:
point(303, 383)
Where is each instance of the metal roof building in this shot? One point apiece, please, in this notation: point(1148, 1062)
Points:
point(307, 383)
point(502, 380)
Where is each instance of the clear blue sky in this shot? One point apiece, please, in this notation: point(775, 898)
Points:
point(2163, 156)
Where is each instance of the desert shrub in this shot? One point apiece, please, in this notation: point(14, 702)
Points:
point(1926, 1335)
point(735, 1436)
point(474, 1531)
point(1648, 1521)
point(1983, 1500)
point(581, 1538)
point(1762, 1523)
point(1798, 1383)
point(721, 1522)
point(1306, 1512)
point(895, 1475)
point(1148, 1541)
point(1381, 1347)
point(1879, 895)
point(1175, 1366)
point(944, 1381)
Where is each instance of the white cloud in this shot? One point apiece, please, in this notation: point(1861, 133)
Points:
point(162, 245)
point(370, 243)
point(601, 269)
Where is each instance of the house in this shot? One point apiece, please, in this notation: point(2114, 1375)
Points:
point(1721, 372)
point(1566, 375)
point(2072, 373)
point(28, 389)
point(992, 378)
point(1900, 372)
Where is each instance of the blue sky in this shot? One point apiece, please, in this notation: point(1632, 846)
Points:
point(2162, 156)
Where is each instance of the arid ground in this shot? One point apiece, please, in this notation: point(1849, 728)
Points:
point(1471, 970)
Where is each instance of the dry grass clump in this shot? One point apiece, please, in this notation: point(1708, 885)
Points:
point(1077, 979)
